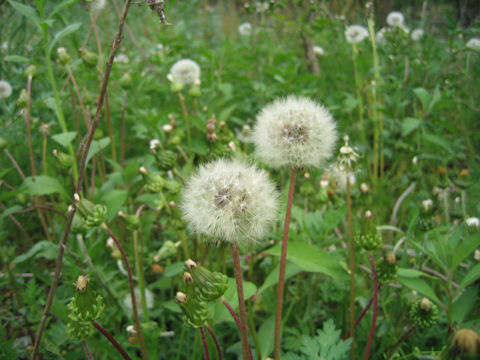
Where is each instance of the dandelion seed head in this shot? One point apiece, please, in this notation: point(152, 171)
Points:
point(318, 50)
point(5, 89)
point(245, 29)
point(185, 72)
point(294, 132)
point(417, 34)
point(356, 33)
point(474, 44)
point(395, 19)
point(230, 201)
point(473, 222)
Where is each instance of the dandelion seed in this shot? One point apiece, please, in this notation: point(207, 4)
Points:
point(230, 200)
point(318, 50)
point(395, 19)
point(474, 44)
point(417, 34)
point(245, 29)
point(427, 204)
point(5, 89)
point(473, 222)
point(356, 33)
point(295, 132)
point(185, 72)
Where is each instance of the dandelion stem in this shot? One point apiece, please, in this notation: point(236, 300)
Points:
point(206, 354)
point(352, 266)
point(87, 350)
point(114, 342)
point(215, 340)
point(132, 291)
point(15, 164)
point(375, 308)
point(122, 130)
point(247, 355)
point(185, 118)
point(283, 262)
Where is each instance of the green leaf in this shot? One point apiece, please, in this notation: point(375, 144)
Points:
point(265, 337)
point(436, 140)
point(16, 58)
point(472, 275)
point(410, 124)
point(43, 249)
point(27, 11)
point(312, 259)
point(174, 269)
point(220, 312)
point(10, 211)
point(43, 185)
point(62, 6)
point(435, 98)
point(291, 269)
point(463, 304)
point(467, 247)
point(114, 200)
point(226, 113)
point(65, 139)
point(70, 29)
point(411, 273)
point(424, 97)
point(96, 146)
point(421, 286)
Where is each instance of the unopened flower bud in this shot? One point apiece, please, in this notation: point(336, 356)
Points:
point(126, 81)
point(364, 188)
point(167, 128)
point(89, 58)
point(63, 56)
point(181, 297)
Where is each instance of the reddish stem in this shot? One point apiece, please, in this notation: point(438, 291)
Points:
point(114, 342)
point(375, 308)
point(87, 350)
point(215, 340)
point(283, 262)
point(205, 345)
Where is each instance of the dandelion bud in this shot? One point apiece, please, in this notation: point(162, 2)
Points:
point(427, 205)
point(368, 214)
point(425, 305)
point(63, 56)
point(387, 269)
point(168, 250)
point(195, 90)
point(89, 58)
point(153, 182)
point(154, 145)
point(476, 255)
point(306, 175)
point(187, 277)
point(423, 313)
point(64, 161)
point(131, 330)
point(172, 204)
point(22, 99)
point(190, 264)
point(364, 188)
point(181, 297)
point(45, 129)
point(76, 197)
point(166, 160)
point(210, 285)
point(232, 146)
point(132, 221)
point(81, 283)
point(167, 128)
point(97, 216)
point(126, 81)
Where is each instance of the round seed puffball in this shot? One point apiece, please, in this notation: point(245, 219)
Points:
point(294, 132)
point(356, 33)
point(5, 89)
point(230, 200)
point(185, 72)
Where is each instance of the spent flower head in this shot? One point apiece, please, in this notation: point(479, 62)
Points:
point(474, 44)
point(5, 89)
point(245, 29)
point(417, 34)
point(395, 19)
point(295, 132)
point(473, 222)
point(318, 50)
point(185, 72)
point(230, 201)
point(356, 33)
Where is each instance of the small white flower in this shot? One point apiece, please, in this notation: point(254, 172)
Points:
point(364, 188)
point(4, 46)
point(473, 222)
point(427, 204)
point(356, 33)
point(318, 50)
point(230, 201)
point(476, 256)
point(110, 243)
point(295, 132)
point(474, 44)
point(5, 89)
point(149, 299)
point(245, 29)
point(246, 134)
point(167, 128)
point(324, 183)
point(395, 19)
point(154, 145)
point(417, 34)
point(185, 72)
point(415, 160)
point(131, 330)
point(121, 58)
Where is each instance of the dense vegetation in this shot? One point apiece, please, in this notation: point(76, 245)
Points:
point(99, 145)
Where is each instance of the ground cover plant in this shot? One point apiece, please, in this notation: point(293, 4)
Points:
point(239, 180)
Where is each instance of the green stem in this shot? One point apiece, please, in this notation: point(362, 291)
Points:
point(139, 271)
point(445, 206)
point(358, 90)
point(180, 342)
point(352, 266)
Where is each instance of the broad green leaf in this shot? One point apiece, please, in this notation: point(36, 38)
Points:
point(410, 273)
point(62, 6)
point(219, 310)
point(199, 146)
point(174, 269)
point(17, 58)
point(265, 337)
point(291, 269)
point(96, 146)
point(424, 97)
point(472, 275)
point(466, 248)
point(225, 113)
point(43, 185)
point(410, 124)
point(312, 259)
point(65, 139)
point(435, 98)
point(10, 211)
point(421, 286)
point(114, 200)
point(27, 11)
point(437, 140)
point(172, 306)
point(43, 249)
point(70, 29)
point(463, 305)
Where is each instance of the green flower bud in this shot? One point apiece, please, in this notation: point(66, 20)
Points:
point(21, 198)
point(369, 241)
point(80, 330)
point(97, 216)
point(132, 221)
point(63, 56)
point(195, 91)
point(423, 313)
point(153, 182)
point(31, 71)
point(22, 99)
point(387, 269)
point(166, 159)
point(126, 81)
point(63, 161)
point(194, 309)
point(89, 58)
point(78, 224)
point(176, 87)
point(425, 223)
point(211, 285)
point(168, 250)
point(173, 186)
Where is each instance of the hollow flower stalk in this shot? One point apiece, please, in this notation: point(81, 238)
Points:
point(230, 201)
point(294, 132)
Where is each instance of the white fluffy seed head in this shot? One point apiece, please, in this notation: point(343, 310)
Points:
point(185, 72)
point(474, 44)
point(356, 33)
point(473, 222)
point(417, 34)
point(318, 50)
point(294, 132)
point(245, 29)
point(395, 18)
point(230, 201)
point(5, 89)
point(97, 5)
